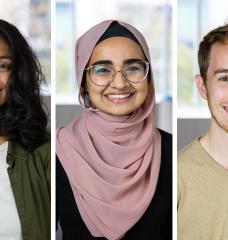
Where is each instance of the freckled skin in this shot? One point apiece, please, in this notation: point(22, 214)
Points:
point(117, 49)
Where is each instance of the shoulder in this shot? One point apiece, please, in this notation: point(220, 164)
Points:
point(187, 154)
point(44, 150)
point(165, 174)
point(41, 153)
point(36, 162)
point(62, 178)
point(45, 147)
point(165, 135)
point(60, 172)
point(189, 161)
point(17, 149)
point(166, 139)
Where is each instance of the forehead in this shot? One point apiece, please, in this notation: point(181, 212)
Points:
point(4, 48)
point(219, 55)
point(117, 48)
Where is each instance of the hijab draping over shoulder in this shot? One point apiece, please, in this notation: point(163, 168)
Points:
point(112, 162)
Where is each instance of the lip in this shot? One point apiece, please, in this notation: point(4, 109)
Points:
point(119, 97)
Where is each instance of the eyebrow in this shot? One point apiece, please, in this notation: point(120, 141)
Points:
point(5, 57)
point(108, 62)
point(223, 70)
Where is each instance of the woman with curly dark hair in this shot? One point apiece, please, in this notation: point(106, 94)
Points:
point(24, 141)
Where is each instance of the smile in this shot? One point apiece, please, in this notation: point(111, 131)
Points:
point(119, 98)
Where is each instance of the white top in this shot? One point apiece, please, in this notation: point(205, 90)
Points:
point(10, 226)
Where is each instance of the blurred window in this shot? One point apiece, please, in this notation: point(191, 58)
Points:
point(195, 18)
point(33, 19)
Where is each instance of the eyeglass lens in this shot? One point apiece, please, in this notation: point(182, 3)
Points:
point(103, 75)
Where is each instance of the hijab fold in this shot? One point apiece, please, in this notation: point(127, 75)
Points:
point(112, 162)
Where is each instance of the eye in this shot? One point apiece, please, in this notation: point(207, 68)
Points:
point(102, 70)
point(224, 78)
point(5, 67)
point(133, 68)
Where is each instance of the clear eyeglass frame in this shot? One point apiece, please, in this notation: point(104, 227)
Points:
point(114, 72)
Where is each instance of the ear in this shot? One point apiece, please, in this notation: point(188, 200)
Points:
point(201, 86)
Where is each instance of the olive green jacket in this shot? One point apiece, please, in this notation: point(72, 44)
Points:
point(30, 180)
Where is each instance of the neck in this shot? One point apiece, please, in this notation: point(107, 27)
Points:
point(2, 139)
point(215, 142)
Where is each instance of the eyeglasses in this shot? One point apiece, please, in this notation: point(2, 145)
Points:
point(5, 67)
point(103, 75)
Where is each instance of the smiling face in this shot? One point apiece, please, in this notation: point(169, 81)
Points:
point(120, 97)
point(216, 89)
point(5, 63)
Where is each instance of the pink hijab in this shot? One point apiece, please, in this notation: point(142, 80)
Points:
point(112, 162)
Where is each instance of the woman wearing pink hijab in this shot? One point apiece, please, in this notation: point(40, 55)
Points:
point(114, 166)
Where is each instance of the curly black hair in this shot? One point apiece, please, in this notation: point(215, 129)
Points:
point(22, 117)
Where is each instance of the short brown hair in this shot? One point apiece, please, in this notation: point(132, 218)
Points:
point(219, 34)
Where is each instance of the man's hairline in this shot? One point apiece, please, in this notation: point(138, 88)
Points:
point(222, 42)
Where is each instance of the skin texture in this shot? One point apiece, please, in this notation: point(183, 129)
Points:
point(215, 91)
point(117, 50)
point(4, 76)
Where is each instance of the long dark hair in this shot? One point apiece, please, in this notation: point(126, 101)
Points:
point(22, 118)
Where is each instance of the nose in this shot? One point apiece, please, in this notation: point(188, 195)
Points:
point(119, 81)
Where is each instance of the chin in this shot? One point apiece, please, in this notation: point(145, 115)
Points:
point(224, 127)
point(116, 109)
point(117, 112)
point(221, 122)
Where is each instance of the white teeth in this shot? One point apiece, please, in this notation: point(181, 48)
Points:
point(120, 96)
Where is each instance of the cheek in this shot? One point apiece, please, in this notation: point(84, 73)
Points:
point(90, 88)
point(142, 88)
point(218, 95)
point(93, 90)
point(4, 78)
point(2, 96)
